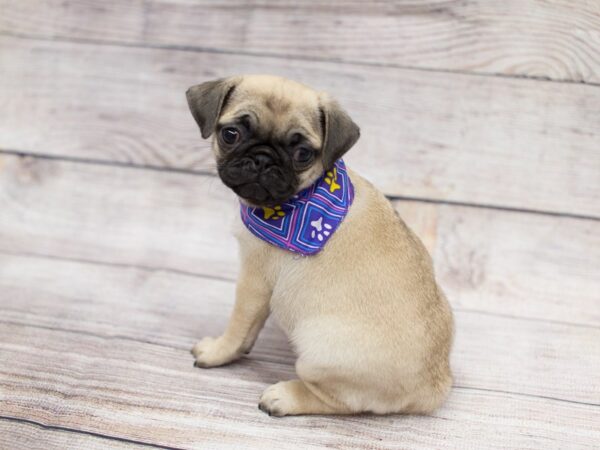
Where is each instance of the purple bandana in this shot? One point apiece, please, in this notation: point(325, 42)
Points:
point(305, 223)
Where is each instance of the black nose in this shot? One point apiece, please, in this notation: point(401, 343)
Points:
point(262, 161)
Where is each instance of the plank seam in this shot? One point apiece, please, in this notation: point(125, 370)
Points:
point(125, 165)
point(233, 280)
point(349, 62)
point(102, 162)
point(493, 207)
point(121, 265)
point(459, 387)
point(520, 394)
point(92, 334)
point(88, 433)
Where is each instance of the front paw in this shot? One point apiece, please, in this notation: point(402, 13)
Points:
point(213, 352)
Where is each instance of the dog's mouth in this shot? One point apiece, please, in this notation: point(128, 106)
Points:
point(268, 187)
point(254, 194)
point(257, 195)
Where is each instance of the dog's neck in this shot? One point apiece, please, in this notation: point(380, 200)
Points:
point(304, 223)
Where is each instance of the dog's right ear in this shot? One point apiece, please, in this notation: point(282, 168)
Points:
point(206, 101)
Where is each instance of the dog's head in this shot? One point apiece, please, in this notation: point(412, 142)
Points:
point(273, 137)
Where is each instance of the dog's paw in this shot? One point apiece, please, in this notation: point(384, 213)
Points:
point(213, 352)
point(277, 400)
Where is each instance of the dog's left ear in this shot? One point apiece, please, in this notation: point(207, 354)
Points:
point(206, 101)
point(340, 132)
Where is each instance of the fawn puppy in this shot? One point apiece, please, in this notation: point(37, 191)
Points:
point(324, 252)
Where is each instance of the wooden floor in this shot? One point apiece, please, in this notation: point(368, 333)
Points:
point(479, 119)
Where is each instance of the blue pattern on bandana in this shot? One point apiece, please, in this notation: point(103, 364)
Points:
point(304, 223)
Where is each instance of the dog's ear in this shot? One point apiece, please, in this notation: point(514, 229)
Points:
point(340, 133)
point(206, 101)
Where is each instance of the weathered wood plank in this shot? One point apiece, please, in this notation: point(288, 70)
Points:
point(513, 263)
point(174, 310)
point(152, 393)
point(524, 265)
point(16, 435)
point(557, 40)
point(484, 140)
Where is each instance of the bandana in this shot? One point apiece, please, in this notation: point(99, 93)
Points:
point(304, 223)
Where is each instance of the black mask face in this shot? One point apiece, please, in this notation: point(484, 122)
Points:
point(263, 149)
point(261, 169)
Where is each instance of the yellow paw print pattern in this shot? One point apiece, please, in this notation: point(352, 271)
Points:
point(331, 179)
point(273, 213)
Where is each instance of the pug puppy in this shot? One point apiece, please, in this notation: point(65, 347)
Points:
point(371, 328)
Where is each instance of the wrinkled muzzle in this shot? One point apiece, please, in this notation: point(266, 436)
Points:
point(259, 176)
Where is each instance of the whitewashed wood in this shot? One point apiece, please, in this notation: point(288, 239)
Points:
point(174, 310)
point(143, 391)
point(26, 436)
point(487, 140)
point(99, 343)
point(558, 39)
point(512, 263)
point(524, 265)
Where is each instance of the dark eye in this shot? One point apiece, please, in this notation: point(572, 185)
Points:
point(303, 155)
point(230, 135)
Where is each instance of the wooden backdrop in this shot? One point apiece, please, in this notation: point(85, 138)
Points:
point(480, 120)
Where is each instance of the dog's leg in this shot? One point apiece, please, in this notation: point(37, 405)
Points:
point(249, 315)
point(288, 398)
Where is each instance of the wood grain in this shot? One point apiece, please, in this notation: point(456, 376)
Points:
point(147, 392)
point(484, 140)
point(174, 310)
point(19, 435)
point(109, 273)
point(511, 263)
point(557, 40)
point(524, 265)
